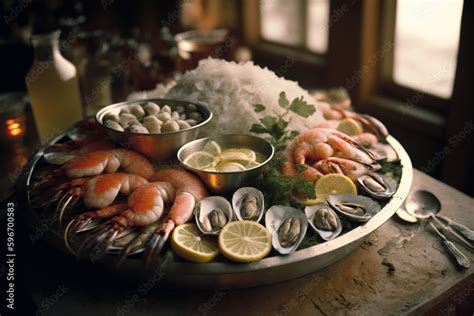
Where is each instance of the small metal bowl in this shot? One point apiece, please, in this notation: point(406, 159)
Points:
point(157, 147)
point(225, 182)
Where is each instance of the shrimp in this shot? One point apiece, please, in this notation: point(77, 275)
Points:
point(59, 154)
point(366, 139)
point(370, 125)
point(352, 169)
point(98, 162)
point(144, 207)
point(188, 191)
point(109, 161)
point(97, 192)
point(319, 144)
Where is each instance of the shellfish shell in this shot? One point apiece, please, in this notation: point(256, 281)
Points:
point(369, 206)
point(311, 211)
point(377, 186)
point(205, 207)
point(275, 217)
point(240, 197)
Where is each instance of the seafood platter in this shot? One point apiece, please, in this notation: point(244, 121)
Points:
point(218, 182)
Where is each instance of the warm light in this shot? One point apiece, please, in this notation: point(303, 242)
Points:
point(15, 132)
point(13, 126)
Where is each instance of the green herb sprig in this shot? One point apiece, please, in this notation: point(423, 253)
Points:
point(393, 167)
point(285, 189)
point(275, 126)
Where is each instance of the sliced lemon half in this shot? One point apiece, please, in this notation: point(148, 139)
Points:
point(229, 166)
point(199, 160)
point(212, 148)
point(245, 241)
point(186, 243)
point(237, 154)
point(334, 183)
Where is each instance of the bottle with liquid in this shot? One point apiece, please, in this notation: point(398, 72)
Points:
point(53, 88)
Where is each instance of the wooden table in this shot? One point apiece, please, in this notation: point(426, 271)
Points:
point(399, 269)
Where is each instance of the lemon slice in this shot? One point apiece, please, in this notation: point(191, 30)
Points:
point(238, 154)
point(334, 183)
point(311, 202)
point(245, 241)
point(210, 169)
point(186, 243)
point(349, 127)
point(252, 164)
point(229, 166)
point(199, 160)
point(212, 148)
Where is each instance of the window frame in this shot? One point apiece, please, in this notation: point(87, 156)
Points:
point(387, 85)
point(310, 63)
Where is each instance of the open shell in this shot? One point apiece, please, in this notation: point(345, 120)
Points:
point(310, 212)
point(240, 197)
point(384, 151)
point(275, 217)
point(377, 186)
point(203, 210)
point(369, 206)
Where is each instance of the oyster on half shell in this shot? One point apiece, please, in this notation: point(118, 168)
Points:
point(324, 221)
point(248, 204)
point(212, 213)
point(356, 208)
point(287, 226)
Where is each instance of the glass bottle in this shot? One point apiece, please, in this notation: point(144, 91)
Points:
point(53, 88)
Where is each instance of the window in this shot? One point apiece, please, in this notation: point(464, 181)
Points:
point(300, 23)
point(426, 45)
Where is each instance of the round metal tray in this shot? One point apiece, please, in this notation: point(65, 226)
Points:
point(186, 275)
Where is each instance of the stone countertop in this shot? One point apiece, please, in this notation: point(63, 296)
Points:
point(400, 268)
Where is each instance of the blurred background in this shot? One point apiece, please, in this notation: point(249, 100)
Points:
point(407, 62)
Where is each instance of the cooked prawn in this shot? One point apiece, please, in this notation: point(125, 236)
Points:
point(145, 207)
point(97, 192)
point(98, 162)
point(350, 168)
point(318, 144)
point(189, 190)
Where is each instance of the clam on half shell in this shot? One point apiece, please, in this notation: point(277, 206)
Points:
point(324, 221)
point(212, 213)
point(356, 208)
point(248, 204)
point(289, 219)
point(377, 186)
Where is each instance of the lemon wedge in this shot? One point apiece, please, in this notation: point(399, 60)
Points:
point(334, 183)
point(311, 202)
point(212, 148)
point(188, 244)
point(244, 241)
point(350, 127)
point(199, 160)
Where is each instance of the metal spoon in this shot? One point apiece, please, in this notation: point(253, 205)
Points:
point(461, 259)
point(424, 204)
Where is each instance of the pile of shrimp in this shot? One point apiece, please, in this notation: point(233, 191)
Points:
point(123, 201)
point(324, 150)
point(335, 105)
